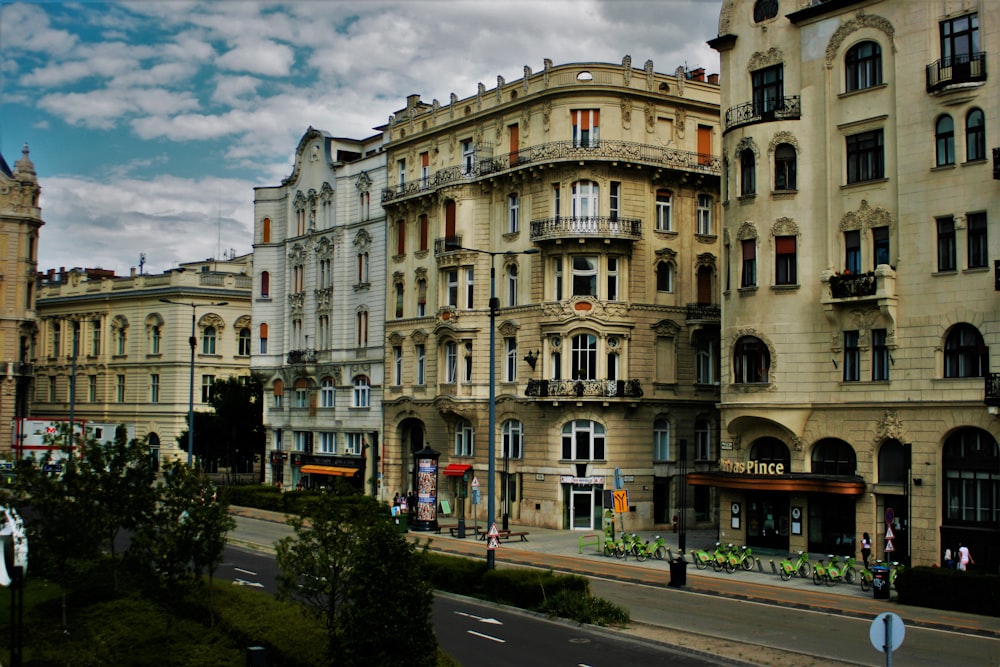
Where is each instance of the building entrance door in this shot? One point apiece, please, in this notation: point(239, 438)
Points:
point(582, 508)
point(767, 521)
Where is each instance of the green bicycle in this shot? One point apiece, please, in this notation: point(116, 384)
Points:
point(800, 566)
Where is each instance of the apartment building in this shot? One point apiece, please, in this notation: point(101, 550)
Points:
point(20, 221)
point(118, 349)
point(568, 224)
point(860, 307)
point(318, 308)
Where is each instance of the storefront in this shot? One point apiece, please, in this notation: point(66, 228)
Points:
point(313, 472)
point(583, 501)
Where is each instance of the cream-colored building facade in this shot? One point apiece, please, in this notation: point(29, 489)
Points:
point(126, 354)
point(319, 294)
point(585, 198)
point(20, 221)
point(860, 312)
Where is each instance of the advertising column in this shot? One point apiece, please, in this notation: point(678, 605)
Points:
point(427, 479)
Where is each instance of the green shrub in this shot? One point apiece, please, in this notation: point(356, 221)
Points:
point(585, 608)
point(529, 589)
point(943, 588)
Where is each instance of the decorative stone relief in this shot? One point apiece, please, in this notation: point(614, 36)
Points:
point(626, 113)
point(745, 143)
point(524, 80)
point(667, 328)
point(726, 16)
point(547, 62)
point(509, 329)
point(650, 113)
point(500, 84)
point(364, 182)
point(666, 255)
point(889, 427)
point(759, 60)
point(867, 217)
point(679, 122)
point(395, 339)
point(862, 20)
point(297, 255)
point(627, 70)
point(783, 137)
point(296, 301)
point(324, 299)
point(362, 240)
point(649, 76)
point(784, 227)
point(419, 337)
point(680, 76)
point(706, 259)
point(546, 115)
point(747, 230)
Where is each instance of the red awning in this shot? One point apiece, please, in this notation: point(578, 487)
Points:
point(456, 469)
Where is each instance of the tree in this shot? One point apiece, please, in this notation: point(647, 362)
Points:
point(233, 432)
point(350, 567)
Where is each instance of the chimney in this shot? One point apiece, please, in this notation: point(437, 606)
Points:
point(698, 74)
point(713, 79)
point(412, 100)
point(132, 272)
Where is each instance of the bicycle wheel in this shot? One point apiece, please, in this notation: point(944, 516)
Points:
point(747, 564)
point(717, 565)
point(784, 573)
point(608, 550)
point(658, 553)
point(730, 566)
point(700, 562)
point(831, 579)
point(641, 555)
point(849, 575)
point(619, 552)
point(805, 570)
point(817, 578)
point(866, 583)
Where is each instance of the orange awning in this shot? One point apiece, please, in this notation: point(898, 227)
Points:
point(456, 469)
point(330, 470)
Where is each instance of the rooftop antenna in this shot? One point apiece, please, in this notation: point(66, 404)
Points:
point(218, 241)
point(142, 261)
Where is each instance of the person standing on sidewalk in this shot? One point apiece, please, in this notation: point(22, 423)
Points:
point(866, 548)
point(964, 557)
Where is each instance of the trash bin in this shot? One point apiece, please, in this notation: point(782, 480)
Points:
point(678, 572)
point(400, 520)
point(256, 656)
point(880, 582)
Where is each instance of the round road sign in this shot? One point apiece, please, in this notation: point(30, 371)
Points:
point(886, 623)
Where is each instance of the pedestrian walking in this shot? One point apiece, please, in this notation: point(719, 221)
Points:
point(964, 557)
point(949, 559)
point(866, 548)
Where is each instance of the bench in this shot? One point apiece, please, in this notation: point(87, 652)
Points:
point(503, 534)
point(451, 527)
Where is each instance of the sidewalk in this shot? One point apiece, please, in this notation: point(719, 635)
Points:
point(561, 550)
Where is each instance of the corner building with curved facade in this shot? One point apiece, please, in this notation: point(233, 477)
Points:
point(859, 304)
point(585, 197)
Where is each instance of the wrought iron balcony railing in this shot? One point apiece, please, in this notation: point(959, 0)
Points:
point(605, 149)
point(629, 229)
point(307, 356)
point(992, 392)
point(845, 286)
point(749, 113)
point(584, 388)
point(447, 244)
point(965, 68)
point(704, 311)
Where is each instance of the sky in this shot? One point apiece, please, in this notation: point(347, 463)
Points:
point(149, 123)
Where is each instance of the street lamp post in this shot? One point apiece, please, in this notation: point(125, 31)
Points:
point(194, 342)
point(492, 446)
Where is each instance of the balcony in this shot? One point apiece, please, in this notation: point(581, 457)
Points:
point(992, 392)
point(704, 312)
point(616, 151)
point(965, 68)
point(599, 227)
point(447, 244)
point(584, 388)
point(307, 356)
point(750, 113)
point(996, 163)
point(848, 286)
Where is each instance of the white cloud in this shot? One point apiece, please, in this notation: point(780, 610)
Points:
point(264, 57)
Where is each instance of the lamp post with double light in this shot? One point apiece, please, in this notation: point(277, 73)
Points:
point(194, 343)
point(492, 446)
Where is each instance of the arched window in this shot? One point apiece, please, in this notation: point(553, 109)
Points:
point(362, 392)
point(665, 277)
point(834, 457)
point(512, 285)
point(771, 450)
point(863, 66)
point(891, 463)
point(265, 284)
point(265, 230)
point(964, 352)
point(661, 440)
point(326, 393)
point(944, 135)
point(971, 463)
point(244, 342)
point(208, 340)
point(748, 168)
point(764, 10)
point(584, 357)
point(583, 440)
point(512, 434)
point(784, 167)
point(975, 135)
point(751, 361)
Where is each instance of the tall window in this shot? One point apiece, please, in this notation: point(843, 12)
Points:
point(751, 361)
point(768, 89)
point(322, 332)
point(615, 201)
point(975, 135)
point(91, 388)
point(703, 450)
point(978, 250)
point(206, 387)
point(946, 243)
point(512, 436)
point(661, 440)
point(880, 245)
point(155, 336)
point(354, 443)
point(468, 157)
point(470, 288)
point(748, 168)
point(362, 267)
point(557, 278)
point(121, 340)
point(154, 388)
point(863, 66)
point(665, 277)
point(586, 202)
point(965, 354)
point(95, 347)
point(852, 252)
point(326, 393)
point(465, 439)
point(423, 231)
point(401, 171)
point(398, 287)
point(119, 389)
point(299, 278)
point(785, 260)
point(749, 273)
point(361, 396)
point(425, 168)
point(612, 294)
point(583, 440)
point(513, 211)
point(279, 394)
point(704, 215)
point(971, 460)
point(852, 357)
point(265, 284)
point(664, 220)
point(880, 356)
point(451, 287)
point(706, 362)
point(586, 133)
point(301, 394)
point(421, 297)
point(362, 328)
point(263, 338)
point(327, 442)
point(510, 359)
point(512, 285)
point(419, 353)
point(944, 136)
point(243, 344)
point(397, 365)
point(584, 357)
point(265, 230)
point(865, 157)
point(401, 237)
point(584, 275)
point(556, 200)
point(785, 167)
point(960, 39)
point(451, 362)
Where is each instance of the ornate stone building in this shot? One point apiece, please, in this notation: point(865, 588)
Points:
point(860, 313)
point(579, 207)
point(110, 350)
point(319, 293)
point(20, 221)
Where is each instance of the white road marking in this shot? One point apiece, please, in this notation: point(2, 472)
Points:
point(240, 569)
point(490, 637)
point(491, 621)
point(251, 584)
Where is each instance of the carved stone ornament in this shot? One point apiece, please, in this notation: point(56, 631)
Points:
point(666, 255)
point(862, 20)
point(784, 227)
point(666, 328)
point(680, 121)
point(726, 16)
point(324, 299)
point(364, 182)
point(362, 240)
point(680, 74)
point(296, 303)
point(650, 76)
point(242, 322)
point(626, 113)
point(419, 337)
point(326, 193)
point(783, 137)
point(395, 339)
point(627, 70)
point(297, 255)
point(759, 60)
point(866, 218)
point(747, 230)
point(705, 259)
point(509, 329)
point(650, 113)
point(889, 426)
point(324, 248)
point(745, 143)
point(524, 80)
point(212, 320)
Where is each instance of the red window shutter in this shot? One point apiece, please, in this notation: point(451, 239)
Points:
point(785, 245)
